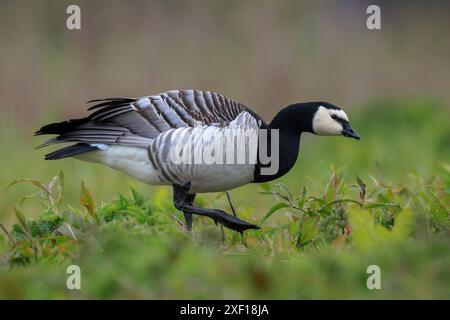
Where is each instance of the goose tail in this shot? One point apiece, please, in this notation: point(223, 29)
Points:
point(70, 151)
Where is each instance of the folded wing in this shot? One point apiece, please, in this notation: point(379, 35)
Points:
point(137, 121)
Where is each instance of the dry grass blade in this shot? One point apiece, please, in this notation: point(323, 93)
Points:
point(34, 182)
point(8, 235)
point(47, 190)
point(61, 187)
point(362, 188)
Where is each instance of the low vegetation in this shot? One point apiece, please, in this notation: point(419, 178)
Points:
point(387, 205)
point(320, 247)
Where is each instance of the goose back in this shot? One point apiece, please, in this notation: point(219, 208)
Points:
point(137, 121)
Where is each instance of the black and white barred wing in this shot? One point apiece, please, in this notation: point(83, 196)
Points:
point(151, 115)
point(135, 122)
point(212, 158)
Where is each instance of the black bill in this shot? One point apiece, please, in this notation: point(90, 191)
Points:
point(347, 131)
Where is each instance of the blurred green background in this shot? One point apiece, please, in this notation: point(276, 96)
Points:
point(393, 83)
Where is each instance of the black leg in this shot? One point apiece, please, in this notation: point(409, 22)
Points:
point(188, 216)
point(181, 201)
point(188, 219)
point(181, 196)
point(232, 207)
point(231, 203)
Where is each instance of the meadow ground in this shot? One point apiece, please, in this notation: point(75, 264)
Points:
point(345, 206)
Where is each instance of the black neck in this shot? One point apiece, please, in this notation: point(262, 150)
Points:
point(290, 123)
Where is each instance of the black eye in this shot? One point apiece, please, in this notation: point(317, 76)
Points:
point(338, 119)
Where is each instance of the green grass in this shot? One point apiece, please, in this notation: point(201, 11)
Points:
point(387, 204)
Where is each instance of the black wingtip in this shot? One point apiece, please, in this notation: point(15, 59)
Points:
point(60, 127)
point(70, 151)
point(40, 132)
point(109, 99)
point(109, 102)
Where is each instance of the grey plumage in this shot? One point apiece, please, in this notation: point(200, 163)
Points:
point(137, 121)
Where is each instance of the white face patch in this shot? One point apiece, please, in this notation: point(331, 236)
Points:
point(323, 123)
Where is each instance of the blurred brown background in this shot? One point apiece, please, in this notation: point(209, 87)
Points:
point(264, 53)
point(394, 83)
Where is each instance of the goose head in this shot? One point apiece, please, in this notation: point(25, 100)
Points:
point(330, 120)
point(320, 118)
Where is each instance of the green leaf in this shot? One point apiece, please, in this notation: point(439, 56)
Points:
point(268, 192)
point(284, 188)
point(308, 230)
point(381, 205)
point(40, 228)
point(138, 198)
point(272, 210)
point(23, 223)
point(339, 201)
point(301, 198)
point(87, 201)
point(122, 202)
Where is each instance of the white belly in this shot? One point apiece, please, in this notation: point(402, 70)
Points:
point(131, 160)
point(217, 177)
point(134, 162)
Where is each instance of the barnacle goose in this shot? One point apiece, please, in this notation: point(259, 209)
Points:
point(139, 135)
